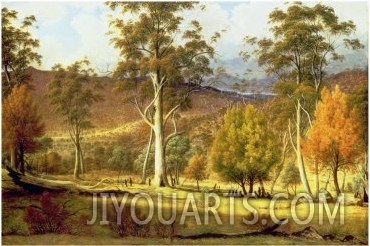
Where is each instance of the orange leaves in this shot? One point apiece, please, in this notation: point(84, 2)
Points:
point(21, 121)
point(335, 133)
point(197, 167)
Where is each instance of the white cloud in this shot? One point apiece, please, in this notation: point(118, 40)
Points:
point(93, 41)
point(68, 31)
point(46, 13)
point(53, 51)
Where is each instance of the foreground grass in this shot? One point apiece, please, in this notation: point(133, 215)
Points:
point(56, 239)
point(15, 230)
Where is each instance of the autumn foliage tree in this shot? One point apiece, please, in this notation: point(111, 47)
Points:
point(245, 148)
point(72, 91)
point(335, 134)
point(197, 168)
point(21, 126)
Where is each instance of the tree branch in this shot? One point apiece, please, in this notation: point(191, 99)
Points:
point(144, 114)
point(175, 133)
point(290, 137)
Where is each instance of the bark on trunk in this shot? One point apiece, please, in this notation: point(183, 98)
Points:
point(317, 181)
point(335, 178)
point(21, 160)
point(82, 163)
point(344, 181)
point(13, 158)
point(251, 181)
point(243, 188)
point(263, 192)
point(302, 171)
point(160, 177)
point(145, 165)
point(280, 165)
point(77, 169)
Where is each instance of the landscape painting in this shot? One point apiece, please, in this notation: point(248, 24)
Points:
point(166, 122)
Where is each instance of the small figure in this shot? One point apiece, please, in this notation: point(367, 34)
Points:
point(126, 182)
point(268, 196)
point(150, 182)
point(259, 191)
point(130, 181)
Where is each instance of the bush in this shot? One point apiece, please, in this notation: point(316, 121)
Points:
point(12, 224)
point(51, 217)
point(128, 226)
point(164, 231)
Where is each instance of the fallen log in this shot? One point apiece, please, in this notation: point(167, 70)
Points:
point(38, 185)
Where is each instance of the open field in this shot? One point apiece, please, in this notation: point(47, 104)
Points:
point(355, 217)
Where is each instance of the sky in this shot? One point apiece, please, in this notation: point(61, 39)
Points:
point(69, 31)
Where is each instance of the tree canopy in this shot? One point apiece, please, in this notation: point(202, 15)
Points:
point(153, 45)
point(334, 138)
point(197, 168)
point(245, 148)
point(72, 91)
point(18, 49)
point(21, 125)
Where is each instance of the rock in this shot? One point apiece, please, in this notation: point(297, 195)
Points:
point(308, 232)
point(330, 237)
point(352, 239)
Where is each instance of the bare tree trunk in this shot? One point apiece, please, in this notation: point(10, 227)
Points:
point(21, 159)
point(82, 163)
point(317, 181)
point(263, 192)
point(77, 169)
point(145, 165)
point(335, 178)
point(344, 180)
point(13, 158)
point(251, 181)
point(160, 177)
point(280, 166)
point(302, 171)
point(327, 181)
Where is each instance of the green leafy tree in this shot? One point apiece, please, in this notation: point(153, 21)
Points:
point(53, 163)
point(72, 91)
point(149, 48)
point(147, 157)
point(245, 148)
point(305, 41)
point(99, 155)
point(358, 100)
point(197, 168)
point(290, 178)
point(120, 160)
point(177, 156)
point(21, 126)
point(18, 49)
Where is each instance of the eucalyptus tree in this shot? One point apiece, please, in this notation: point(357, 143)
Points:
point(73, 90)
point(305, 41)
point(155, 45)
point(18, 49)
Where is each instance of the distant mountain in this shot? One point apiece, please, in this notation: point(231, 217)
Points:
point(255, 79)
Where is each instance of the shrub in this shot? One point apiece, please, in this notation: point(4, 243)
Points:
point(12, 224)
point(164, 231)
point(128, 227)
point(49, 218)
